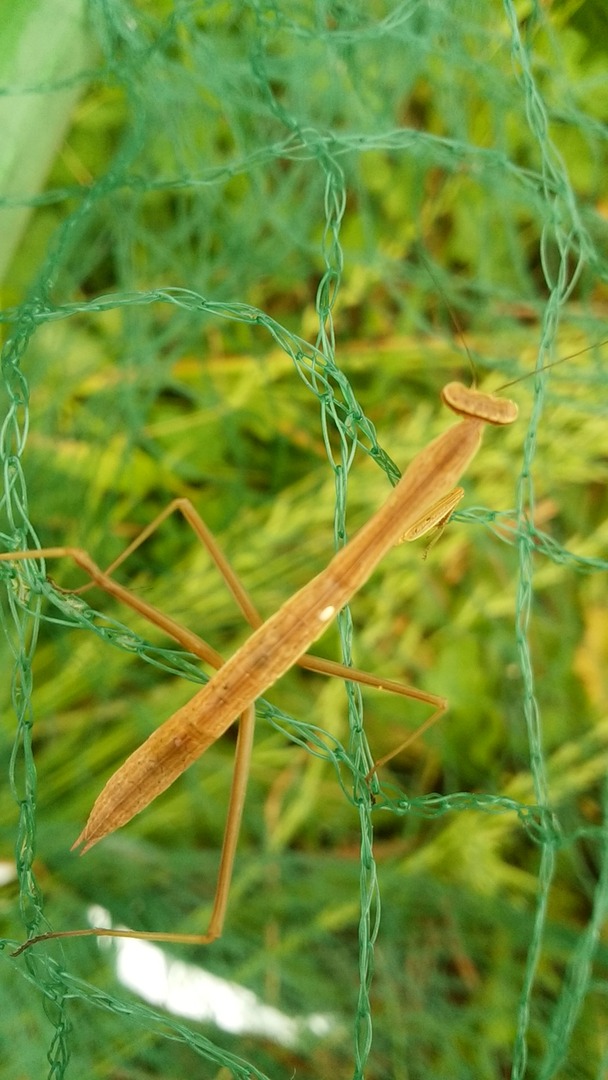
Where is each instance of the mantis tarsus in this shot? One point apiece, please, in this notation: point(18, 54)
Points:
point(424, 497)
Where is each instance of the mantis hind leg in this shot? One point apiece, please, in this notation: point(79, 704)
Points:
point(242, 762)
point(199, 647)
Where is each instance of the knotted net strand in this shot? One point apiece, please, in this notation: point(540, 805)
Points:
point(222, 291)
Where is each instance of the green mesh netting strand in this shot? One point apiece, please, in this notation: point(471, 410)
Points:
point(229, 184)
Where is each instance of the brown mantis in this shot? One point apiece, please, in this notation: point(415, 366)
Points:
point(425, 497)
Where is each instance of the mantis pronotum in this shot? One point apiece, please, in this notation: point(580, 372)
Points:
point(424, 497)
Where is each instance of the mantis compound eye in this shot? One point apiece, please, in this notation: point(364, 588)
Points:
point(465, 401)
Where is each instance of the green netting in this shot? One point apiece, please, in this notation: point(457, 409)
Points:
point(225, 285)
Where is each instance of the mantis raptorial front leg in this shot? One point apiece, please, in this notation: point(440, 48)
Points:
point(425, 494)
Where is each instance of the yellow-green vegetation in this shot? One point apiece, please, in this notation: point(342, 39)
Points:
point(162, 308)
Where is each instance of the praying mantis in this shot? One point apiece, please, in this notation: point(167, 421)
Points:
point(424, 498)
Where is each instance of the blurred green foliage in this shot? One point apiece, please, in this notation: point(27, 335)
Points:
point(198, 158)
